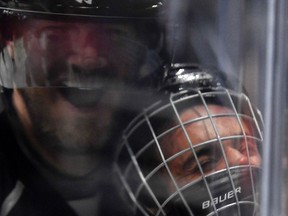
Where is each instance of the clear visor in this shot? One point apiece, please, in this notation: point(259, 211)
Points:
point(83, 53)
point(198, 153)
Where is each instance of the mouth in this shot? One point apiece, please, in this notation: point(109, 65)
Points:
point(82, 98)
point(83, 89)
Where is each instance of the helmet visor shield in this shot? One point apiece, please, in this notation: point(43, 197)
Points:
point(76, 53)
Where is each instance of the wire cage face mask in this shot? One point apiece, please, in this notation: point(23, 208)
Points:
point(197, 152)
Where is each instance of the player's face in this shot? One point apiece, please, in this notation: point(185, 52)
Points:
point(82, 66)
point(56, 52)
point(236, 150)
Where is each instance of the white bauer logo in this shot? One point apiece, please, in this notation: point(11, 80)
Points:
point(221, 198)
point(85, 1)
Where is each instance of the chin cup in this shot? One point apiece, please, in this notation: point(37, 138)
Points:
point(223, 193)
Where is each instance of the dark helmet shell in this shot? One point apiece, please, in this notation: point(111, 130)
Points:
point(142, 8)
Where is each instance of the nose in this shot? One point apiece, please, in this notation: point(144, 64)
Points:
point(236, 157)
point(242, 156)
point(85, 50)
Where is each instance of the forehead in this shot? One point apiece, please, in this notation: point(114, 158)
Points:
point(211, 118)
point(206, 124)
point(200, 111)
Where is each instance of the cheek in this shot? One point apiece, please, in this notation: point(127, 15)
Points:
point(21, 109)
point(41, 102)
point(31, 45)
point(256, 160)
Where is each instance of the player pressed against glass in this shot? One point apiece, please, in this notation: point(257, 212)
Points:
point(194, 154)
point(97, 59)
point(203, 135)
point(72, 84)
point(68, 73)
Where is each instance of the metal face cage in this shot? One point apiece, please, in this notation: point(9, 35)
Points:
point(175, 158)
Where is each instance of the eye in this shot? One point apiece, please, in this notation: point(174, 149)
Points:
point(208, 163)
point(205, 163)
point(54, 35)
point(117, 33)
point(192, 168)
point(209, 156)
point(251, 144)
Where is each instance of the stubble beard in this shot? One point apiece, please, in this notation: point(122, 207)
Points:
point(84, 133)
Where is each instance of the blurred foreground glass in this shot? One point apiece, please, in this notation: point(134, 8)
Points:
point(245, 39)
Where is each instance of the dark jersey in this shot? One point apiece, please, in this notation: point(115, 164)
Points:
point(24, 191)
